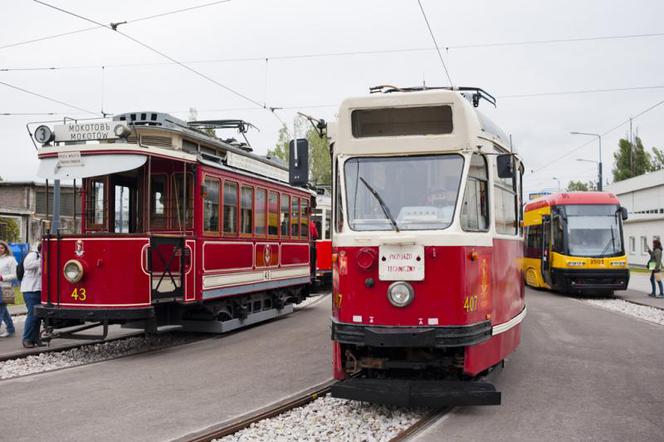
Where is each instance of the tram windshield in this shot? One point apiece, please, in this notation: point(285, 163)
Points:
point(402, 193)
point(593, 230)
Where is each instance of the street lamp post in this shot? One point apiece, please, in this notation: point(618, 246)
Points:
point(559, 188)
point(599, 165)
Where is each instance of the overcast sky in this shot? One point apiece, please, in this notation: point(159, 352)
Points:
point(389, 42)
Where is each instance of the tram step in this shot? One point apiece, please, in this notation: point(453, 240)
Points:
point(417, 393)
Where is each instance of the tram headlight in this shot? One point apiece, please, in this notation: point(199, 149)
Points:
point(400, 294)
point(73, 271)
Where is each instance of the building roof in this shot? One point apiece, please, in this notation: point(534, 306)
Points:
point(32, 184)
point(559, 199)
point(640, 182)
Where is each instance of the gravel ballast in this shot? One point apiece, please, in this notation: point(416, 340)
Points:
point(331, 419)
point(87, 354)
point(646, 313)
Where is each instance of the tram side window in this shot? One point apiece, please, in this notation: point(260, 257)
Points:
point(211, 205)
point(505, 208)
point(338, 208)
point(273, 214)
point(534, 242)
point(158, 201)
point(230, 207)
point(475, 209)
point(181, 219)
point(246, 210)
point(304, 219)
point(295, 218)
point(260, 212)
point(96, 208)
point(327, 231)
point(285, 214)
point(558, 234)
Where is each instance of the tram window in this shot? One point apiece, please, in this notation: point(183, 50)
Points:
point(327, 231)
point(534, 241)
point(295, 218)
point(246, 210)
point(338, 206)
point(558, 234)
point(230, 207)
point(317, 219)
point(304, 219)
point(96, 210)
point(158, 201)
point(260, 212)
point(505, 210)
point(122, 210)
point(182, 220)
point(475, 208)
point(211, 205)
point(285, 214)
point(273, 214)
point(384, 122)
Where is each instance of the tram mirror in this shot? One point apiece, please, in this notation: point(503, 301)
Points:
point(623, 213)
point(298, 162)
point(505, 165)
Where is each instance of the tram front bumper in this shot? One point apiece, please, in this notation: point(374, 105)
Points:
point(417, 393)
point(438, 337)
point(52, 311)
point(590, 279)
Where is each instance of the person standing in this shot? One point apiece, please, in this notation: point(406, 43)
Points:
point(656, 274)
point(31, 289)
point(7, 275)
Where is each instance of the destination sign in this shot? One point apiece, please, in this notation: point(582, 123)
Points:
point(253, 165)
point(90, 130)
point(69, 159)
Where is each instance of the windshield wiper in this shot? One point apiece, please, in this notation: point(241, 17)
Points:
point(383, 206)
point(612, 241)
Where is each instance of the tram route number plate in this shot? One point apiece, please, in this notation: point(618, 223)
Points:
point(401, 263)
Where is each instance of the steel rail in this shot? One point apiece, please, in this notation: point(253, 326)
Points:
point(242, 422)
point(423, 423)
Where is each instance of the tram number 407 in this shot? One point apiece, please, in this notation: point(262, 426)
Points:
point(470, 303)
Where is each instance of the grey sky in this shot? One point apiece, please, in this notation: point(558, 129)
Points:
point(257, 29)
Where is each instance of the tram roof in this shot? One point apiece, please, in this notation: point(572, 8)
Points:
point(569, 198)
point(469, 128)
point(160, 135)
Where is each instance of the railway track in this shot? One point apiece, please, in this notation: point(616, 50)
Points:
point(93, 345)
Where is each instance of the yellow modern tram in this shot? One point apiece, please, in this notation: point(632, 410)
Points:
point(574, 242)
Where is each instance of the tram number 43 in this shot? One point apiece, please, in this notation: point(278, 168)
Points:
point(470, 303)
point(79, 294)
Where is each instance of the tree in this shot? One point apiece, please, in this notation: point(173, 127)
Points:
point(631, 160)
point(320, 171)
point(580, 186)
point(657, 159)
point(9, 230)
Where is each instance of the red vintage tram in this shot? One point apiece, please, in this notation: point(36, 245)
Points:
point(322, 218)
point(427, 289)
point(179, 228)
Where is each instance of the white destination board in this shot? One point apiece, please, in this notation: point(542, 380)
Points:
point(89, 130)
point(401, 263)
point(253, 165)
point(69, 159)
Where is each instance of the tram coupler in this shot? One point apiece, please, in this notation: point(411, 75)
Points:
point(50, 333)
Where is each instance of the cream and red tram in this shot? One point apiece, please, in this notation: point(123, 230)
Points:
point(428, 295)
point(179, 228)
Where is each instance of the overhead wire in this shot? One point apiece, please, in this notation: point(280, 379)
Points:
point(571, 151)
point(433, 37)
point(48, 98)
point(92, 28)
point(156, 51)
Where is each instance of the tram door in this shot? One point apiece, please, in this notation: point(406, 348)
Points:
point(546, 249)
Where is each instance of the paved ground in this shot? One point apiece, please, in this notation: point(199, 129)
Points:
point(167, 394)
point(581, 373)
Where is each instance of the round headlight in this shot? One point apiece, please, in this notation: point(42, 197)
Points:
point(400, 294)
point(73, 271)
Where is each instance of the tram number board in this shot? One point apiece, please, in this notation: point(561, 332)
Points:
point(401, 262)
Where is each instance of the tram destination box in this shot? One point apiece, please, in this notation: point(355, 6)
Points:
point(401, 262)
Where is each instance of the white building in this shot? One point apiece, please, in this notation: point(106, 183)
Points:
point(643, 196)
